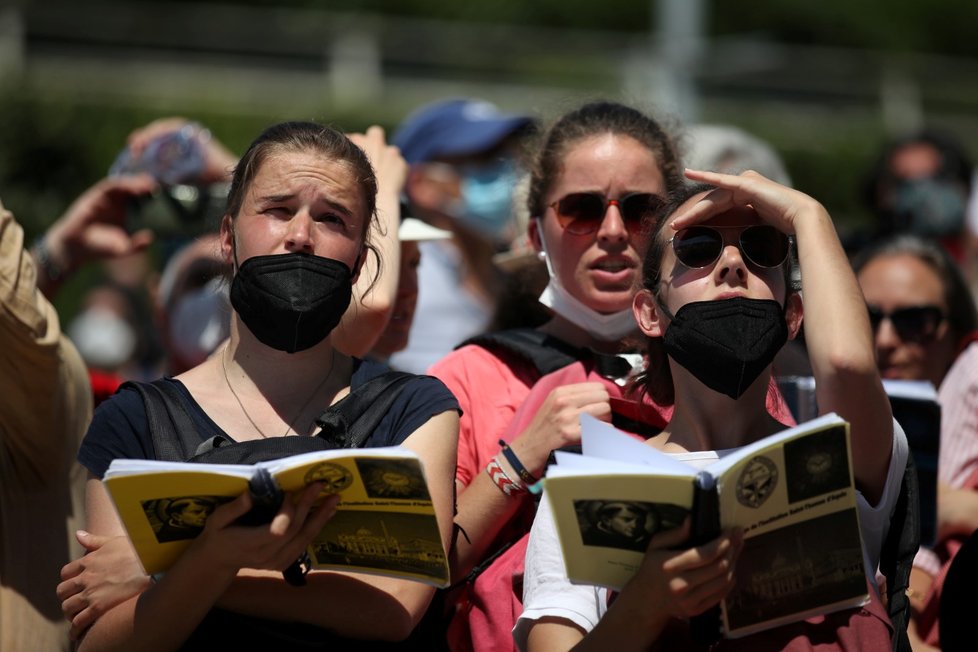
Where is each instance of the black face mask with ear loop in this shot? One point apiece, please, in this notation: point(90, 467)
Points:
point(291, 302)
point(726, 344)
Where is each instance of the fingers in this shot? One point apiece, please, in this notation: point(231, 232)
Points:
point(671, 538)
point(140, 240)
point(140, 138)
point(694, 579)
point(294, 510)
point(299, 524)
point(314, 523)
point(228, 513)
point(726, 545)
point(386, 159)
point(773, 202)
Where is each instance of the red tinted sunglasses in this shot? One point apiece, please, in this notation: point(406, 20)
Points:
point(581, 213)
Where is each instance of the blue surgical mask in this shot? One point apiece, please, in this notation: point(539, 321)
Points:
point(487, 197)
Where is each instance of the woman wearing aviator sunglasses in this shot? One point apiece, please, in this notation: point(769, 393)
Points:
point(598, 177)
point(925, 322)
point(596, 173)
point(715, 308)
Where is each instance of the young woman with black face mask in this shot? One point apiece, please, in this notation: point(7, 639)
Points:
point(598, 173)
point(295, 236)
point(715, 308)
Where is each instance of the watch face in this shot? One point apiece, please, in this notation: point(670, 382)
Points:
point(756, 482)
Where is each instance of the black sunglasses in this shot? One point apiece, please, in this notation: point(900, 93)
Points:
point(700, 246)
point(914, 324)
point(581, 213)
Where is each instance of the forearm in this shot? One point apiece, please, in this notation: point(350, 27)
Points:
point(483, 511)
point(372, 607)
point(166, 614)
point(629, 624)
point(375, 292)
point(957, 511)
point(623, 629)
point(841, 349)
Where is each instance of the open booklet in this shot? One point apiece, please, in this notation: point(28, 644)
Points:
point(916, 408)
point(385, 522)
point(791, 493)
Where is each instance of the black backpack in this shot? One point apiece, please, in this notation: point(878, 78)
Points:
point(350, 423)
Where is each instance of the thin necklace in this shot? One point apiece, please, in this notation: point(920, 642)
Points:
point(298, 414)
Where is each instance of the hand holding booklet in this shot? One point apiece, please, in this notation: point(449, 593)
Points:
point(385, 522)
point(792, 494)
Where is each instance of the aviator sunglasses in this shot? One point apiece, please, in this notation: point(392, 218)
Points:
point(762, 245)
point(581, 213)
point(913, 324)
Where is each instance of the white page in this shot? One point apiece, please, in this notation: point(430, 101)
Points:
point(922, 390)
point(732, 457)
point(134, 467)
point(599, 439)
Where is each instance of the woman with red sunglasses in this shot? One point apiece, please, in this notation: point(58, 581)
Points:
point(596, 174)
point(599, 174)
point(715, 308)
point(924, 321)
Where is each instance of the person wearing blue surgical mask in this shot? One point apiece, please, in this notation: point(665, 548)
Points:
point(193, 309)
point(920, 185)
point(487, 197)
point(464, 170)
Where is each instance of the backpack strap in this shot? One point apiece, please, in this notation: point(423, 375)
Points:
point(544, 352)
point(898, 551)
point(173, 432)
point(349, 423)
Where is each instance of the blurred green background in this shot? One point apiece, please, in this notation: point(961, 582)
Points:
point(825, 83)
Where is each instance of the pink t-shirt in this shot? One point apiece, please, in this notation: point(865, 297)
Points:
point(489, 389)
point(651, 413)
point(486, 618)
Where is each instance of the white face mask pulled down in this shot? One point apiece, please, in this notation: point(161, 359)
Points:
point(606, 327)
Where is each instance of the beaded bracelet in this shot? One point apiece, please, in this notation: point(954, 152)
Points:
point(514, 462)
point(502, 480)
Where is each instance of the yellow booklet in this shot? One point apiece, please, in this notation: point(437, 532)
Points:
point(385, 523)
point(791, 493)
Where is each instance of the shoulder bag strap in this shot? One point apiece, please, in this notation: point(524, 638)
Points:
point(350, 422)
point(170, 427)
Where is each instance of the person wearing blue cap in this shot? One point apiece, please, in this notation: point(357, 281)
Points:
point(463, 158)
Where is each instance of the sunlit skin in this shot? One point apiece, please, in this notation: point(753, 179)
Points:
point(395, 336)
point(902, 281)
point(915, 161)
point(731, 276)
point(600, 268)
point(301, 202)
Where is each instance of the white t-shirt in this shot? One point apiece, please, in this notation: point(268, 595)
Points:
point(446, 314)
point(548, 593)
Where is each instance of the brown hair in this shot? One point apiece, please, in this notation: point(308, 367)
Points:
point(594, 119)
point(307, 137)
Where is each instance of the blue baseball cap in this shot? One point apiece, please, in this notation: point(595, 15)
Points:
point(455, 128)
